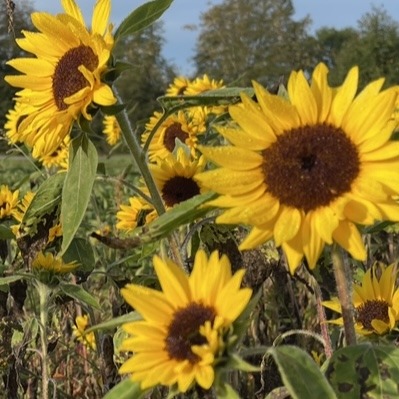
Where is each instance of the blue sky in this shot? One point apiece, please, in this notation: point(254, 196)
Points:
point(180, 42)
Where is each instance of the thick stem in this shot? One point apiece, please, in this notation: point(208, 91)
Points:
point(140, 158)
point(343, 278)
point(44, 293)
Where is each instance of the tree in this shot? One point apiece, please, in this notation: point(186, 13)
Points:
point(242, 40)
point(375, 49)
point(149, 75)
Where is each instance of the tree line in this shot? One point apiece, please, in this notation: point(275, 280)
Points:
point(238, 41)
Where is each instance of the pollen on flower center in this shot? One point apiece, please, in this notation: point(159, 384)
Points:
point(172, 133)
point(372, 310)
point(309, 166)
point(178, 189)
point(67, 78)
point(183, 331)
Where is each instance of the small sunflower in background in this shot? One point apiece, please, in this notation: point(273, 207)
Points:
point(48, 262)
point(63, 78)
point(8, 202)
point(178, 87)
point(175, 177)
point(14, 117)
point(308, 169)
point(376, 301)
point(202, 84)
point(58, 158)
point(185, 328)
point(138, 213)
point(111, 129)
point(88, 339)
point(182, 126)
point(21, 210)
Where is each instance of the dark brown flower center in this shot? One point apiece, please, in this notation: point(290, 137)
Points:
point(179, 189)
point(183, 331)
point(173, 132)
point(371, 310)
point(67, 79)
point(310, 166)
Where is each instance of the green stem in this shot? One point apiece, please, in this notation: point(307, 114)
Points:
point(44, 293)
point(343, 278)
point(140, 157)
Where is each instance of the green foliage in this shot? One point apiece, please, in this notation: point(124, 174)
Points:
point(300, 374)
point(127, 389)
point(142, 17)
point(364, 371)
point(78, 293)
point(77, 187)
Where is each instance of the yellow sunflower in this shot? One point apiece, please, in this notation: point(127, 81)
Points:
point(183, 126)
point(178, 87)
point(13, 118)
point(307, 170)
point(376, 302)
point(88, 339)
point(64, 77)
point(138, 213)
point(8, 202)
point(111, 129)
point(202, 84)
point(175, 177)
point(58, 158)
point(49, 262)
point(183, 328)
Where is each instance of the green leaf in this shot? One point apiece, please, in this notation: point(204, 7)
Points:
point(80, 294)
point(10, 279)
point(300, 374)
point(6, 232)
point(116, 322)
point(46, 199)
point(180, 214)
point(126, 389)
point(365, 371)
point(235, 362)
point(142, 17)
point(226, 391)
point(80, 251)
point(77, 187)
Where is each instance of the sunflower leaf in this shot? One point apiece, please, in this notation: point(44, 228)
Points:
point(116, 322)
point(142, 17)
point(300, 374)
point(77, 188)
point(226, 391)
point(5, 232)
point(80, 251)
point(76, 292)
point(364, 370)
point(126, 389)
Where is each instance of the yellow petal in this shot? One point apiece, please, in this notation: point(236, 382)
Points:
point(293, 250)
point(313, 245)
point(101, 13)
point(255, 237)
point(73, 10)
point(104, 95)
point(348, 237)
point(287, 224)
point(322, 92)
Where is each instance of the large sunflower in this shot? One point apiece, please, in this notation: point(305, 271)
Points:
point(183, 327)
point(175, 177)
point(64, 77)
point(306, 170)
point(376, 302)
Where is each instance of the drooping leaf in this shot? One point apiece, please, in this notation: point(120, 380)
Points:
point(126, 389)
point(5, 232)
point(300, 374)
point(226, 391)
point(10, 279)
point(365, 371)
point(77, 187)
point(80, 294)
point(142, 17)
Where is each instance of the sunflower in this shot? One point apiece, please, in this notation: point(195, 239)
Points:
point(111, 129)
point(175, 177)
point(8, 202)
point(376, 302)
point(137, 213)
point(50, 263)
point(13, 118)
point(202, 84)
point(183, 328)
point(307, 170)
point(183, 126)
point(58, 158)
point(64, 77)
point(88, 339)
point(178, 87)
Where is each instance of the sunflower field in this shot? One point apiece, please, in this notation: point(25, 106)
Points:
point(246, 246)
